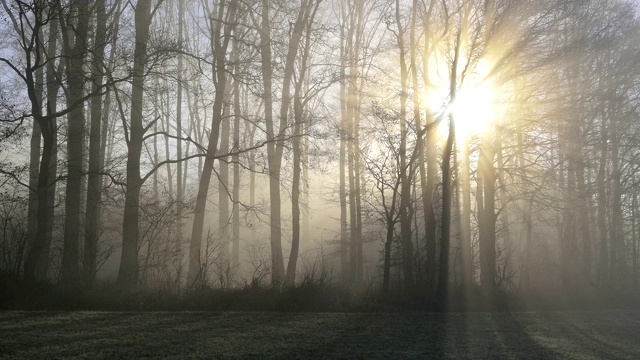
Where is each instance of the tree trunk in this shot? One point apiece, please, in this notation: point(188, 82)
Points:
point(34, 165)
point(53, 86)
point(37, 257)
point(295, 194)
point(634, 206)
point(95, 160)
point(219, 45)
point(527, 205)
point(223, 180)
point(428, 190)
point(277, 262)
point(603, 271)
point(405, 192)
point(386, 268)
point(276, 144)
point(179, 132)
point(616, 248)
point(235, 250)
point(166, 126)
point(128, 272)
point(75, 53)
point(583, 217)
point(487, 219)
point(443, 274)
point(342, 132)
point(298, 110)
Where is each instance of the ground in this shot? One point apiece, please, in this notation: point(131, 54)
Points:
point(259, 335)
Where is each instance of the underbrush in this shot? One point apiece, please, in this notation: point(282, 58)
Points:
point(308, 296)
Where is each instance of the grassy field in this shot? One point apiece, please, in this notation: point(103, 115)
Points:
point(177, 335)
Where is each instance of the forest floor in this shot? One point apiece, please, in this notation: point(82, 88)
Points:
point(260, 335)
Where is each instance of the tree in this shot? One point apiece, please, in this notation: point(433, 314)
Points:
point(298, 119)
point(128, 273)
point(96, 160)
point(75, 51)
point(275, 145)
point(222, 24)
point(28, 19)
point(406, 211)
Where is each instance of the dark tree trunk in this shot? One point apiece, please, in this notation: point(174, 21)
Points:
point(75, 54)
point(94, 187)
point(128, 273)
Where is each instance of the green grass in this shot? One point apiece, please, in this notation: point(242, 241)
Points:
point(261, 335)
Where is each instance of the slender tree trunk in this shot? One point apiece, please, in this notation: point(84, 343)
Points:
point(53, 86)
point(179, 132)
point(428, 189)
point(583, 218)
point(443, 274)
point(603, 271)
point(386, 268)
point(166, 126)
point(352, 148)
point(527, 205)
point(252, 165)
point(223, 179)
point(617, 248)
point(343, 133)
point(75, 55)
point(504, 211)
point(295, 194)
point(223, 20)
point(156, 157)
point(235, 251)
point(568, 225)
point(277, 262)
point(465, 220)
point(276, 147)
point(198, 130)
point(128, 272)
point(298, 110)
point(95, 162)
point(634, 207)
point(353, 230)
point(37, 257)
point(306, 217)
point(405, 192)
point(487, 219)
point(34, 165)
point(358, 197)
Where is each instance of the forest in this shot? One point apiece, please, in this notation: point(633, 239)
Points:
point(319, 154)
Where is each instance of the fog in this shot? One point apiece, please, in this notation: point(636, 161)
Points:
point(440, 155)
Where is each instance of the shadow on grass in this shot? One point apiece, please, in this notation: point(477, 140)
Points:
point(514, 340)
point(268, 335)
point(600, 334)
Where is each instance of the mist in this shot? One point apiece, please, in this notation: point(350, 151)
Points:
point(321, 155)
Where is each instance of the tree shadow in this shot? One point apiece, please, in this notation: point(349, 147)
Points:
point(418, 335)
point(514, 340)
point(430, 336)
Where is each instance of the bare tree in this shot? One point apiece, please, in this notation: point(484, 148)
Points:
point(128, 273)
point(222, 24)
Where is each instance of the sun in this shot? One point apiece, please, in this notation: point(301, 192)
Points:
point(475, 107)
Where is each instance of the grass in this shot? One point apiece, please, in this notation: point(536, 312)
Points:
point(270, 335)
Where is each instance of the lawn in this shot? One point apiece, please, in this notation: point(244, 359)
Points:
point(259, 335)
